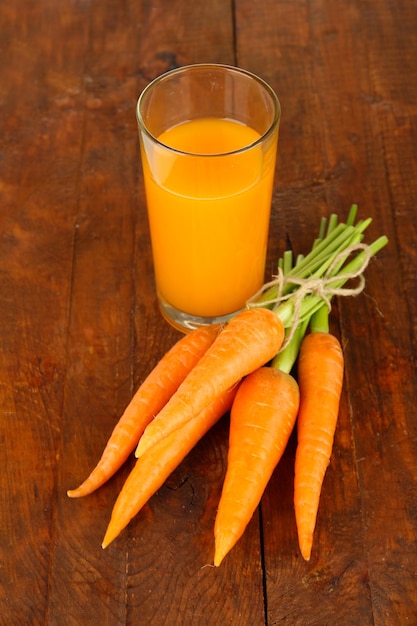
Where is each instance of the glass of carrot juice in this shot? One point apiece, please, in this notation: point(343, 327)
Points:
point(208, 138)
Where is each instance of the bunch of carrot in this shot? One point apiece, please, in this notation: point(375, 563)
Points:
point(245, 368)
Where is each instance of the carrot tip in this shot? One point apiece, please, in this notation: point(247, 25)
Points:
point(106, 541)
point(113, 530)
point(305, 551)
point(79, 492)
point(143, 446)
point(220, 553)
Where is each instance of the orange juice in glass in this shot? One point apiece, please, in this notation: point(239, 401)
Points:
point(208, 136)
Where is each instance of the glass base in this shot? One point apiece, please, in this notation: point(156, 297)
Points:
point(185, 322)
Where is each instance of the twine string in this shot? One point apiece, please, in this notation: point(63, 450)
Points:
point(322, 286)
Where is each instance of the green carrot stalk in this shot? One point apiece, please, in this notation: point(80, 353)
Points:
point(311, 303)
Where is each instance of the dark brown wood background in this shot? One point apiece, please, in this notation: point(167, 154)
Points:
point(80, 328)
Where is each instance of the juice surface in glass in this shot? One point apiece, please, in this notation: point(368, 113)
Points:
point(209, 214)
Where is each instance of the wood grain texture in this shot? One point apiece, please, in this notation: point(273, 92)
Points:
point(80, 327)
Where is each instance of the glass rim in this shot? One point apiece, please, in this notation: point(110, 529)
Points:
point(178, 70)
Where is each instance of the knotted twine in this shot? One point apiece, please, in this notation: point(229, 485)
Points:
point(315, 286)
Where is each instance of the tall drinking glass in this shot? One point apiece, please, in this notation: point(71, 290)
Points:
point(208, 137)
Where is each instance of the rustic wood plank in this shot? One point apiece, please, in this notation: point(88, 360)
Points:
point(325, 589)
point(184, 33)
point(380, 384)
point(353, 167)
point(88, 585)
point(40, 150)
point(177, 526)
point(99, 352)
point(385, 435)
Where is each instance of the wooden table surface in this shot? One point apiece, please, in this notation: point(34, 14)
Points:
point(80, 327)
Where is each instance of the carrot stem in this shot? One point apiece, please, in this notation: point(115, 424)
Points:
point(286, 357)
point(352, 215)
point(333, 239)
point(311, 303)
point(319, 321)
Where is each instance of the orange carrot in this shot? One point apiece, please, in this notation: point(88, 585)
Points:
point(262, 419)
point(320, 376)
point(149, 399)
point(248, 341)
point(154, 467)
